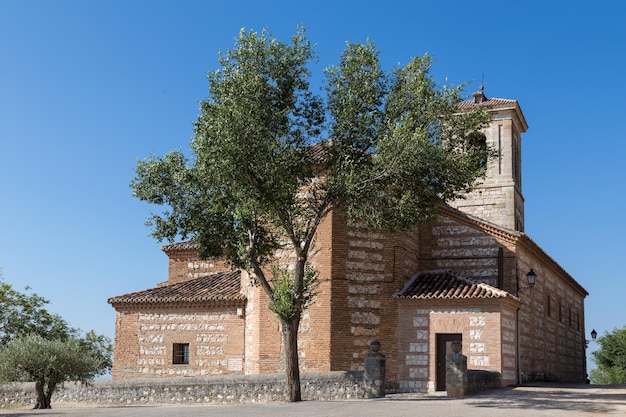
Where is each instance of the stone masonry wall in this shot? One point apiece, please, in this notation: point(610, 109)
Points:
point(509, 346)
point(263, 352)
point(552, 312)
point(496, 199)
point(224, 389)
point(184, 265)
point(448, 244)
point(145, 341)
point(368, 268)
point(478, 323)
point(264, 342)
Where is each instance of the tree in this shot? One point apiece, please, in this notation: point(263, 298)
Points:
point(39, 346)
point(23, 314)
point(51, 362)
point(610, 359)
point(271, 159)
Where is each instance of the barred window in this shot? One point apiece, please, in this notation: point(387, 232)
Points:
point(180, 354)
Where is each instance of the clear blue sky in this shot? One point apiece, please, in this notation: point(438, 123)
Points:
point(86, 87)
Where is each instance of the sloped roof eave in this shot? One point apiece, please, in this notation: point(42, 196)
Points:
point(445, 284)
point(532, 245)
point(513, 236)
point(218, 287)
point(497, 104)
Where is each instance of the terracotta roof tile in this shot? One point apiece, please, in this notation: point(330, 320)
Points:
point(490, 103)
point(185, 245)
point(480, 100)
point(317, 152)
point(222, 286)
point(445, 284)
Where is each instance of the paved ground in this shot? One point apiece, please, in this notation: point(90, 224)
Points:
point(544, 400)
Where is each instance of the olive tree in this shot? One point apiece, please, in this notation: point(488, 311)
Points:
point(41, 347)
point(271, 158)
point(51, 362)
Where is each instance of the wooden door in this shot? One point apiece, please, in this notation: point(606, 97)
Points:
point(443, 348)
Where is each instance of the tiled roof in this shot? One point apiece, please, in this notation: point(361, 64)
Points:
point(445, 284)
point(480, 101)
point(317, 153)
point(489, 103)
point(222, 286)
point(185, 245)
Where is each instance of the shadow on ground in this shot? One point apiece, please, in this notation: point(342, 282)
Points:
point(574, 398)
point(582, 398)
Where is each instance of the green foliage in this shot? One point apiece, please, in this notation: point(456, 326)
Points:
point(421, 144)
point(53, 362)
point(285, 299)
point(100, 349)
point(36, 345)
point(33, 358)
point(22, 314)
point(398, 149)
point(610, 359)
point(271, 158)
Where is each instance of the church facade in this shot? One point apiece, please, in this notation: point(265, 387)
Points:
point(460, 277)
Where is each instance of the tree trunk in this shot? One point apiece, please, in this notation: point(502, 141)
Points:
point(290, 336)
point(43, 398)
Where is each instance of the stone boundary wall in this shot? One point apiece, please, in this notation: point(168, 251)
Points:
point(479, 380)
point(318, 386)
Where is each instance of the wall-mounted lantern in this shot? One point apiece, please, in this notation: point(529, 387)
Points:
point(531, 277)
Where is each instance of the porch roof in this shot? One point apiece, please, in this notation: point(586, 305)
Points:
point(446, 284)
point(221, 286)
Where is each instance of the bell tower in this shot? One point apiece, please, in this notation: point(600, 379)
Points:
point(498, 197)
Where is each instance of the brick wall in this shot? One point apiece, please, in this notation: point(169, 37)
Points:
point(552, 316)
point(449, 244)
point(508, 330)
point(144, 341)
point(368, 268)
point(478, 322)
point(360, 270)
point(184, 265)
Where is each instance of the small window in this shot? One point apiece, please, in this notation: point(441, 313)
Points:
point(180, 354)
point(477, 145)
point(477, 140)
point(570, 317)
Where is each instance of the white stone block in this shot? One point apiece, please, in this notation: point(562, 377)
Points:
point(418, 347)
point(475, 334)
point(477, 321)
point(477, 347)
point(479, 360)
point(420, 321)
point(422, 335)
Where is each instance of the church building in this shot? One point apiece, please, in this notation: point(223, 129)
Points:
point(472, 275)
